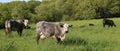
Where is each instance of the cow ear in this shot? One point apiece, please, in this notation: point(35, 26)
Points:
point(70, 25)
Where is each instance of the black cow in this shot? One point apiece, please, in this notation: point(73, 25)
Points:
point(108, 22)
point(14, 25)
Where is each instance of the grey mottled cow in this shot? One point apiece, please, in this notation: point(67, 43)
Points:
point(51, 29)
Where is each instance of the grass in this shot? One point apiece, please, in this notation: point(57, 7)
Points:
point(81, 37)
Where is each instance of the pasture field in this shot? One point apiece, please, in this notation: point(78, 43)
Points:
point(81, 37)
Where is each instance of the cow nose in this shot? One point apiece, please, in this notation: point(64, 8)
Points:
point(66, 31)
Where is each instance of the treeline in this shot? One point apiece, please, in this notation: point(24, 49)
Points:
point(59, 10)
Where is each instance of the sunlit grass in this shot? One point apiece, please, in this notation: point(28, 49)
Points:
point(81, 37)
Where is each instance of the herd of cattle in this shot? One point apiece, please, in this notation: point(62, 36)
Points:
point(45, 29)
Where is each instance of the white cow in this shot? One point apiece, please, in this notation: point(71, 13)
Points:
point(51, 29)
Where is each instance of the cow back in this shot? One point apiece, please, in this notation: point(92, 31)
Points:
point(48, 28)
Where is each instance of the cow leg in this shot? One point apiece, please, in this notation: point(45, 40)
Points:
point(58, 39)
point(19, 32)
point(103, 25)
point(62, 37)
point(7, 31)
point(37, 38)
point(109, 25)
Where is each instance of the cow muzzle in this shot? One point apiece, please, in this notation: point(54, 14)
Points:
point(66, 32)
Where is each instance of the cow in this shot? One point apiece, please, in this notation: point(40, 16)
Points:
point(15, 25)
point(55, 30)
point(108, 22)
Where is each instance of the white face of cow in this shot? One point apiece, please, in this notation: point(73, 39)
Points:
point(65, 28)
point(26, 22)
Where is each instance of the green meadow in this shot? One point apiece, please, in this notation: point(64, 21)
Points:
point(81, 37)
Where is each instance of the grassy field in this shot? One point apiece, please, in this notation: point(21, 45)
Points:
point(81, 37)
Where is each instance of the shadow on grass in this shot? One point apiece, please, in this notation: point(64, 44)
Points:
point(32, 28)
point(75, 42)
point(82, 26)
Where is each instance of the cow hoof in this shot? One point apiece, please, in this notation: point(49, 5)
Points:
point(59, 42)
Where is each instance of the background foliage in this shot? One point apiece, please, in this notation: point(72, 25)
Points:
point(59, 10)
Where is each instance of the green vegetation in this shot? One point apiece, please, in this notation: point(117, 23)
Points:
point(59, 10)
point(81, 37)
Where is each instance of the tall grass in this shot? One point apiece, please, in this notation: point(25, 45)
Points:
point(81, 37)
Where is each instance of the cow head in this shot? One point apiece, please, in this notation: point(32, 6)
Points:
point(65, 27)
point(25, 22)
